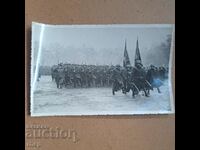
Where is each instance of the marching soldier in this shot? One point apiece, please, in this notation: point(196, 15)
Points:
point(126, 75)
point(162, 72)
point(59, 76)
point(153, 78)
point(117, 79)
point(139, 78)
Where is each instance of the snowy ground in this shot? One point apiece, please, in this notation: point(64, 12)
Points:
point(48, 101)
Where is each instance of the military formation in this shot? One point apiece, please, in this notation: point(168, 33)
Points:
point(118, 77)
point(81, 76)
point(124, 78)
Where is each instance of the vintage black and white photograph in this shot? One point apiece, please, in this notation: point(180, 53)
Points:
point(116, 69)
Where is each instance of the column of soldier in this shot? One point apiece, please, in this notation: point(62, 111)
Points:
point(85, 76)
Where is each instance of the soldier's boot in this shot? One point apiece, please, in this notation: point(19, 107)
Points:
point(113, 91)
point(133, 94)
point(57, 84)
point(127, 89)
point(145, 92)
point(158, 90)
point(148, 92)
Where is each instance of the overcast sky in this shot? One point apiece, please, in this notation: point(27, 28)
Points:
point(97, 44)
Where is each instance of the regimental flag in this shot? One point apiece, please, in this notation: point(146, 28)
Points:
point(126, 60)
point(138, 59)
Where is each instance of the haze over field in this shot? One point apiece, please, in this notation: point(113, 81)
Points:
point(101, 45)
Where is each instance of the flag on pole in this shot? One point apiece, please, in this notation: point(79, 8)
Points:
point(138, 59)
point(126, 60)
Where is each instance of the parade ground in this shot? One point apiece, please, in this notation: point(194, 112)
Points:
point(48, 100)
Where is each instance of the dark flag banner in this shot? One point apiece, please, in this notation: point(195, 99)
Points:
point(126, 61)
point(138, 59)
